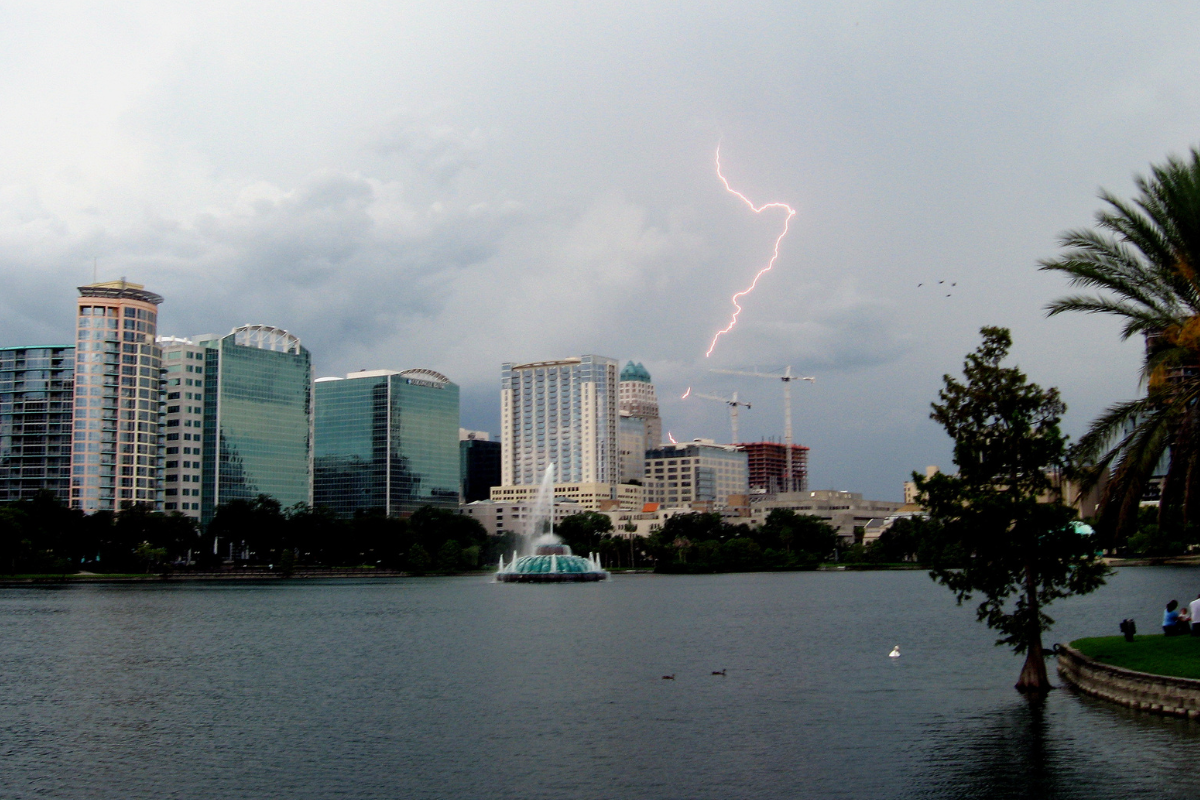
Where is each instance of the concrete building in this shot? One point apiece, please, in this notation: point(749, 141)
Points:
point(643, 521)
point(1068, 490)
point(878, 526)
point(386, 441)
point(116, 456)
point(767, 465)
point(258, 418)
point(640, 427)
point(563, 413)
point(479, 464)
point(844, 510)
point(910, 487)
point(499, 517)
point(183, 424)
point(589, 496)
point(37, 390)
point(701, 474)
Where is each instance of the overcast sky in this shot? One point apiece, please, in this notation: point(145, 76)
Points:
point(454, 185)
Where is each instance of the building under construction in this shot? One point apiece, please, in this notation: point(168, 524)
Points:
point(768, 467)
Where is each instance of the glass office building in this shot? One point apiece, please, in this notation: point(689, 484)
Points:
point(116, 457)
point(479, 467)
point(257, 399)
point(36, 396)
point(386, 441)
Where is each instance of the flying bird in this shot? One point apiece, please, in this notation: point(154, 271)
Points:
point(719, 672)
point(670, 677)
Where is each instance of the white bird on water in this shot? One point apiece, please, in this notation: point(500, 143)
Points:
point(895, 652)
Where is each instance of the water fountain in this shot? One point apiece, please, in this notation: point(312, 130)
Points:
point(543, 558)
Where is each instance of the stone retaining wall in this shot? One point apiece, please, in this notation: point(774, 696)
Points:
point(1158, 694)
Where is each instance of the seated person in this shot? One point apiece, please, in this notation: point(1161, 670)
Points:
point(1174, 623)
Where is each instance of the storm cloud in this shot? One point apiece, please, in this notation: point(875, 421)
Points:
point(454, 185)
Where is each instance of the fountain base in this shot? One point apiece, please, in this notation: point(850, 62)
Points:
point(550, 577)
point(551, 563)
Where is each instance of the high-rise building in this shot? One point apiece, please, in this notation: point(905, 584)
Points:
point(479, 464)
point(636, 397)
point(562, 412)
point(632, 447)
point(183, 388)
point(36, 396)
point(697, 472)
point(257, 436)
point(116, 456)
point(640, 426)
point(386, 441)
point(768, 467)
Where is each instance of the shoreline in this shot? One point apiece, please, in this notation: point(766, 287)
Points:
point(351, 572)
point(1141, 691)
point(181, 577)
point(1162, 561)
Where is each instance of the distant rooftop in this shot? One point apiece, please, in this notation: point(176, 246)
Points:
point(562, 362)
point(635, 372)
point(120, 290)
point(372, 373)
point(421, 375)
point(266, 337)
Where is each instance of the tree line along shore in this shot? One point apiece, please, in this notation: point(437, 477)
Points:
point(44, 537)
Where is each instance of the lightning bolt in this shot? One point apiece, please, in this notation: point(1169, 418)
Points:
point(672, 438)
point(791, 212)
point(685, 394)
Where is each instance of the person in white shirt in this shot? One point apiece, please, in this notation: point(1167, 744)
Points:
point(1194, 613)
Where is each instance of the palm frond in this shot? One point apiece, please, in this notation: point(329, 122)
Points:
point(1138, 320)
point(1142, 262)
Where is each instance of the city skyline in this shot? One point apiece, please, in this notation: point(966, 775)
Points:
point(417, 186)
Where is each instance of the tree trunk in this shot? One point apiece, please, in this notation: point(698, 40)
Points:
point(1033, 678)
point(1191, 492)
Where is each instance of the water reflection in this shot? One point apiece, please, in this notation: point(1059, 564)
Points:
point(1064, 746)
point(461, 687)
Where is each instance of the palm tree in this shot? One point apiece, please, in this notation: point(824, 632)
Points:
point(1143, 259)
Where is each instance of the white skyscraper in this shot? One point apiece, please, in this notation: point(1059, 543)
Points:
point(640, 426)
point(562, 412)
point(183, 370)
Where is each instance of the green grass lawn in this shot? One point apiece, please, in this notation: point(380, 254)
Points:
point(1161, 655)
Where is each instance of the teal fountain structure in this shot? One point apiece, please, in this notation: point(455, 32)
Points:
point(543, 558)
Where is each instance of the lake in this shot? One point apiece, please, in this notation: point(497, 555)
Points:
point(465, 688)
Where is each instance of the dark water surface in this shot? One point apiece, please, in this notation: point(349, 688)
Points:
point(462, 688)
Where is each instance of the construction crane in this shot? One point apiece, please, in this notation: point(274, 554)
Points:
point(733, 404)
point(787, 377)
